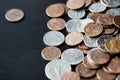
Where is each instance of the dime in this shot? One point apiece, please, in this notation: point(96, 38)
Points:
point(118, 77)
point(117, 21)
point(14, 15)
point(55, 68)
point(108, 31)
point(56, 24)
point(74, 38)
point(114, 11)
point(50, 53)
point(72, 56)
point(53, 38)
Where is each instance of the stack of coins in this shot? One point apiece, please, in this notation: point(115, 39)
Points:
point(93, 39)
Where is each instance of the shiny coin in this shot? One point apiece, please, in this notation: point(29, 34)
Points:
point(72, 56)
point(55, 10)
point(53, 38)
point(14, 15)
point(101, 42)
point(117, 21)
point(50, 53)
point(76, 13)
point(55, 68)
point(114, 11)
point(74, 38)
point(108, 31)
point(97, 7)
point(56, 24)
point(118, 77)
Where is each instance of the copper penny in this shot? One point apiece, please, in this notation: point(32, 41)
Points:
point(85, 72)
point(105, 19)
point(56, 24)
point(93, 29)
point(102, 75)
point(112, 45)
point(105, 68)
point(108, 30)
point(117, 21)
point(83, 46)
point(55, 10)
point(65, 7)
point(50, 53)
point(85, 51)
point(75, 4)
point(74, 38)
point(94, 16)
point(70, 76)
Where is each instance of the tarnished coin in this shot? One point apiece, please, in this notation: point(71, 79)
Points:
point(72, 56)
point(50, 53)
point(117, 21)
point(93, 29)
point(56, 24)
point(118, 77)
point(70, 76)
point(85, 72)
point(55, 10)
point(87, 2)
point(97, 7)
point(75, 4)
point(55, 68)
point(14, 15)
point(108, 31)
point(76, 13)
point(113, 11)
point(94, 16)
point(101, 42)
point(53, 38)
point(74, 38)
point(102, 75)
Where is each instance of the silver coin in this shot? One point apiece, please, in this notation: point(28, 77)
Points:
point(114, 12)
point(118, 77)
point(14, 15)
point(110, 3)
point(53, 38)
point(90, 42)
point(72, 56)
point(97, 7)
point(101, 41)
point(55, 68)
point(76, 13)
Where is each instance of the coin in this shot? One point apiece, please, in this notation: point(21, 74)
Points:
point(56, 24)
point(116, 31)
point(93, 29)
point(83, 46)
point(55, 68)
point(87, 2)
point(97, 7)
point(85, 72)
point(118, 77)
point(113, 11)
point(14, 15)
point(72, 56)
point(74, 38)
point(70, 76)
point(53, 38)
point(116, 21)
point(85, 51)
point(92, 78)
point(55, 10)
point(108, 31)
point(101, 41)
point(76, 13)
point(50, 53)
point(94, 16)
point(75, 4)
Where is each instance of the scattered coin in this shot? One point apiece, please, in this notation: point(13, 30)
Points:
point(53, 38)
point(116, 21)
point(14, 15)
point(113, 11)
point(72, 56)
point(118, 77)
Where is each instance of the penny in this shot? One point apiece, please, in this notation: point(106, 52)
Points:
point(97, 7)
point(118, 77)
point(113, 11)
point(50, 53)
point(93, 29)
point(102, 75)
point(98, 57)
point(85, 51)
point(112, 45)
point(106, 69)
point(83, 46)
point(74, 38)
point(76, 13)
point(94, 16)
point(108, 31)
point(53, 38)
point(65, 7)
point(14, 15)
point(70, 76)
point(87, 2)
point(72, 56)
point(55, 10)
point(105, 19)
point(55, 68)
point(85, 72)
point(101, 41)
point(56, 24)
point(116, 21)
point(75, 4)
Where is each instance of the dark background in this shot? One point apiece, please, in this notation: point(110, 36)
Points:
point(21, 42)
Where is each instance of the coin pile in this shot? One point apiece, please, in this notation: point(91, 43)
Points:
point(93, 39)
